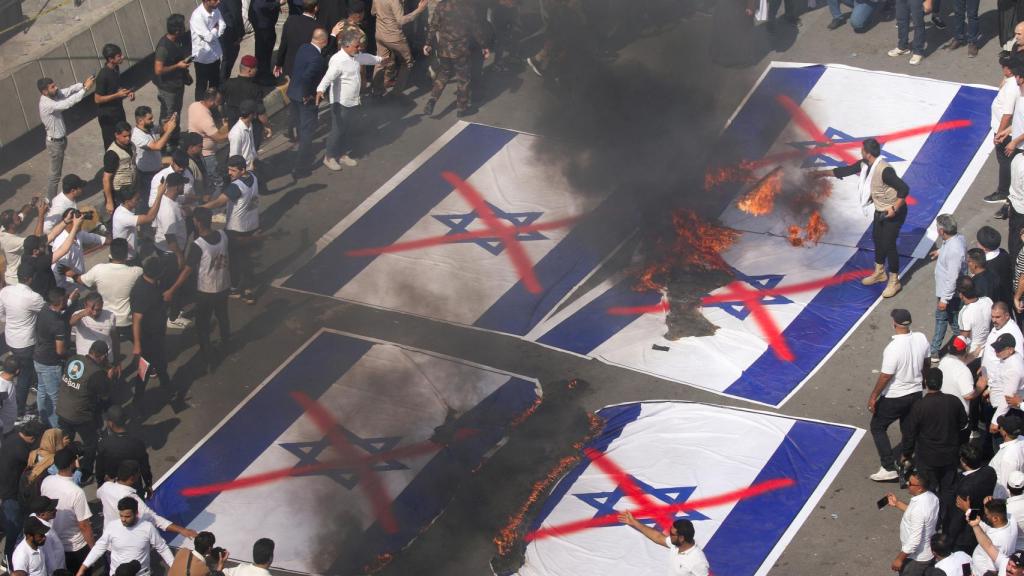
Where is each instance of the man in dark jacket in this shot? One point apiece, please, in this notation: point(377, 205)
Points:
point(998, 260)
point(116, 446)
point(309, 69)
point(263, 15)
point(933, 438)
point(976, 482)
point(84, 393)
point(231, 40)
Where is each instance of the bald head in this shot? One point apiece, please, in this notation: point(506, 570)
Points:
point(319, 37)
point(1018, 35)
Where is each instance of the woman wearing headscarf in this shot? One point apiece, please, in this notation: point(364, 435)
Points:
point(41, 459)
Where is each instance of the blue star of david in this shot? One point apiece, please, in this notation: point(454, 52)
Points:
point(604, 502)
point(459, 224)
point(737, 309)
point(309, 452)
point(835, 137)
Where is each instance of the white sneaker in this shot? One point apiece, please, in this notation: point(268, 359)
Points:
point(179, 323)
point(332, 164)
point(884, 475)
point(348, 160)
point(916, 59)
point(898, 52)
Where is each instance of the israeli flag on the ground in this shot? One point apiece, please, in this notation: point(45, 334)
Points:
point(840, 104)
point(386, 401)
point(678, 452)
point(473, 281)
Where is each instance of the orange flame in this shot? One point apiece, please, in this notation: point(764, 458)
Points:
point(507, 537)
point(813, 232)
point(696, 245)
point(742, 172)
point(760, 200)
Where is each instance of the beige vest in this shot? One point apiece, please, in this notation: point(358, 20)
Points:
point(882, 195)
point(124, 178)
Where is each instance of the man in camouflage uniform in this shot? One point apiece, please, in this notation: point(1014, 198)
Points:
point(454, 26)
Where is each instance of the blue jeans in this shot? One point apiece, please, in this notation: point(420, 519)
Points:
point(12, 524)
point(966, 9)
point(905, 10)
point(46, 392)
point(945, 318)
point(862, 11)
point(214, 176)
point(341, 119)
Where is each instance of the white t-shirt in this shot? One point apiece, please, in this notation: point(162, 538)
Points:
point(146, 160)
point(72, 508)
point(169, 220)
point(110, 493)
point(19, 306)
point(989, 357)
point(53, 550)
point(957, 379)
point(29, 561)
point(126, 224)
point(8, 405)
point(1005, 378)
point(240, 142)
point(1004, 539)
point(154, 186)
point(689, 563)
point(12, 245)
point(114, 282)
point(1004, 101)
point(58, 205)
point(976, 318)
point(953, 565)
point(904, 358)
point(89, 330)
point(75, 258)
point(1008, 459)
point(1017, 123)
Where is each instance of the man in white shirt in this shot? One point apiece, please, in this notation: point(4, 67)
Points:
point(128, 539)
point(1002, 115)
point(71, 523)
point(45, 510)
point(28, 558)
point(12, 243)
point(206, 26)
point(344, 81)
point(1005, 565)
point(170, 238)
point(240, 138)
point(69, 267)
point(92, 323)
point(53, 101)
point(179, 165)
point(1002, 323)
point(114, 281)
point(262, 559)
point(72, 187)
point(685, 559)
point(1010, 455)
point(149, 146)
point(975, 319)
point(19, 307)
point(950, 264)
point(243, 222)
point(999, 530)
point(112, 492)
point(899, 385)
point(957, 379)
point(126, 223)
point(1015, 504)
point(920, 516)
point(948, 562)
point(1001, 380)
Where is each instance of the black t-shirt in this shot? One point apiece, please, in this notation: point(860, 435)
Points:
point(84, 390)
point(13, 461)
point(111, 161)
point(147, 299)
point(42, 275)
point(50, 328)
point(170, 53)
point(237, 90)
point(108, 82)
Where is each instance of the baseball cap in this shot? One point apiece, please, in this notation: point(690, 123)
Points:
point(1012, 421)
point(41, 503)
point(1017, 557)
point(249, 61)
point(1016, 480)
point(900, 316)
point(960, 344)
point(1003, 342)
point(34, 525)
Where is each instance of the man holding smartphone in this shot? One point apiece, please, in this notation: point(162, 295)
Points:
point(920, 517)
point(170, 73)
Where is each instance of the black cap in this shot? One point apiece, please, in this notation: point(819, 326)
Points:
point(1018, 558)
point(247, 106)
point(41, 503)
point(1003, 342)
point(900, 316)
point(34, 525)
point(1012, 421)
point(130, 568)
point(116, 415)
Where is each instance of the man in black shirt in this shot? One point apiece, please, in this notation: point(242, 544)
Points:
point(109, 93)
point(881, 189)
point(241, 88)
point(149, 324)
point(116, 446)
point(932, 438)
point(85, 391)
point(231, 40)
point(975, 482)
point(13, 461)
point(263, 15)
point(998, 260)
point(986, 282)
point(170, 73)
point(52, 341)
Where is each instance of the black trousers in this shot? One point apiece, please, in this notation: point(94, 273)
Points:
point(305, 115)
point(207, 76)
point(207, 305)
point(265, 40)
point(774, 5)
point(171, 102)
point(89, 432)
point(73, 560)
point(227, 59)
point(887, 411)
point(241, 264)
point(154, 350)
point(107, 124)
point(941, 481)
point(885, 232)
point(1004, 166)
point(1013, 243)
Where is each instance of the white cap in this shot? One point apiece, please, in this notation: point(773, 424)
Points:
point(1016, 480)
